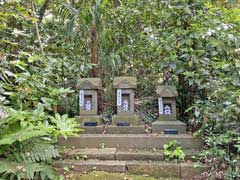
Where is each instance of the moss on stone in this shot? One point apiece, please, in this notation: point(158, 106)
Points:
point(98, 175)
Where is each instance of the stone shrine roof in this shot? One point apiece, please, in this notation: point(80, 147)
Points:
point(166, 91)
point(89, 83)
point(125, 82)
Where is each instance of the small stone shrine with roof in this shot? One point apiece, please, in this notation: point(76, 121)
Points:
point(167, 121)
point(124, 87)
point(88, 101)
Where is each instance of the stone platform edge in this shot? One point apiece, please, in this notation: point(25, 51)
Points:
point(158, 169)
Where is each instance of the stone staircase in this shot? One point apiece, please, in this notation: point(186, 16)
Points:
point(128, 149)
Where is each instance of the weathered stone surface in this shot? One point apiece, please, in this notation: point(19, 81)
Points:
point(90, 153)
point(89, 83)
point(111, 129)
point(130, 141)
point(189, 170)
point(83, 119)
point(170, 102)
point(148, 155)
point(125, 82)
point(90, 165)
point(120, 154)
point(166, 117)
point(166, 91)
point(131, 119)
point(159, 126)
point(139, 155)
point(155, 169)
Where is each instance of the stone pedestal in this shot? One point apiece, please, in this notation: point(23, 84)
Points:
point(160, 126)
point(89, 119)
point(130, 119)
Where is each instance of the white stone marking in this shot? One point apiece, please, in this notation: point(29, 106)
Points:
point(167, 109)
point(125, 105)
point(81, 98)
point(160, 105)
point(119, 97)
point(88, 105)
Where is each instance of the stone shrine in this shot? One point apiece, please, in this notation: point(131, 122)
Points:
point(167, 102)
point(125, 101)
point(167, 121)
point(88, 101)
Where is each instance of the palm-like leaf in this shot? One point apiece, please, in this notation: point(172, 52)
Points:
point(64, 125)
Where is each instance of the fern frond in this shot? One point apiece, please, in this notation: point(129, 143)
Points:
point(34, 152)
point(19, 170)
point(22, 135)
point(25, 170)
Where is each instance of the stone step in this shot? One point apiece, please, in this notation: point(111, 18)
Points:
point(89, 153)
point(166, 170)
point(146, 155)
point(129, 141)
point(91, 165)
point(114, 129)
point(157, 127)
point(156, 169)
point(120, 154)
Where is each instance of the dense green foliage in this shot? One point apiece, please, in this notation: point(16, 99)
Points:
point(29, 91)
point(45, 46)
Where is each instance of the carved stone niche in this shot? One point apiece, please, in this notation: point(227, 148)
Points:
point(167, 102)
point(124, 87)
point(88, 101)
point(167, 122)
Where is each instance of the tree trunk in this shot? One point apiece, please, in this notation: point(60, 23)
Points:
point(94, 51)
point(42, 10)
point(55, 109)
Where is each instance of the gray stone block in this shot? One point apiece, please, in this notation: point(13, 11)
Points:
point(155, 169)
point(159, 126)
point(130, 141)
point(112, 129)
point(139, 155)
point(92, 165)
point(83, 119)
point(131, 119)
point(90, 153)
point(189, 170)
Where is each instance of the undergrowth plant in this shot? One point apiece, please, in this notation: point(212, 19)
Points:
point(173, 152)
point(27, 143)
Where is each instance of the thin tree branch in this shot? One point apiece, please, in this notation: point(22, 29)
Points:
point(37, 29)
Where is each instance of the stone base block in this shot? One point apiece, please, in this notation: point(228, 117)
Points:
point(92, 165)
point(155, 169)
point(159, 126)
point(112, 129)
point(130, 141)
point(89, 153)
point(86, 119)
point(131, 119)
point(166, 117)
point(189, 170)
